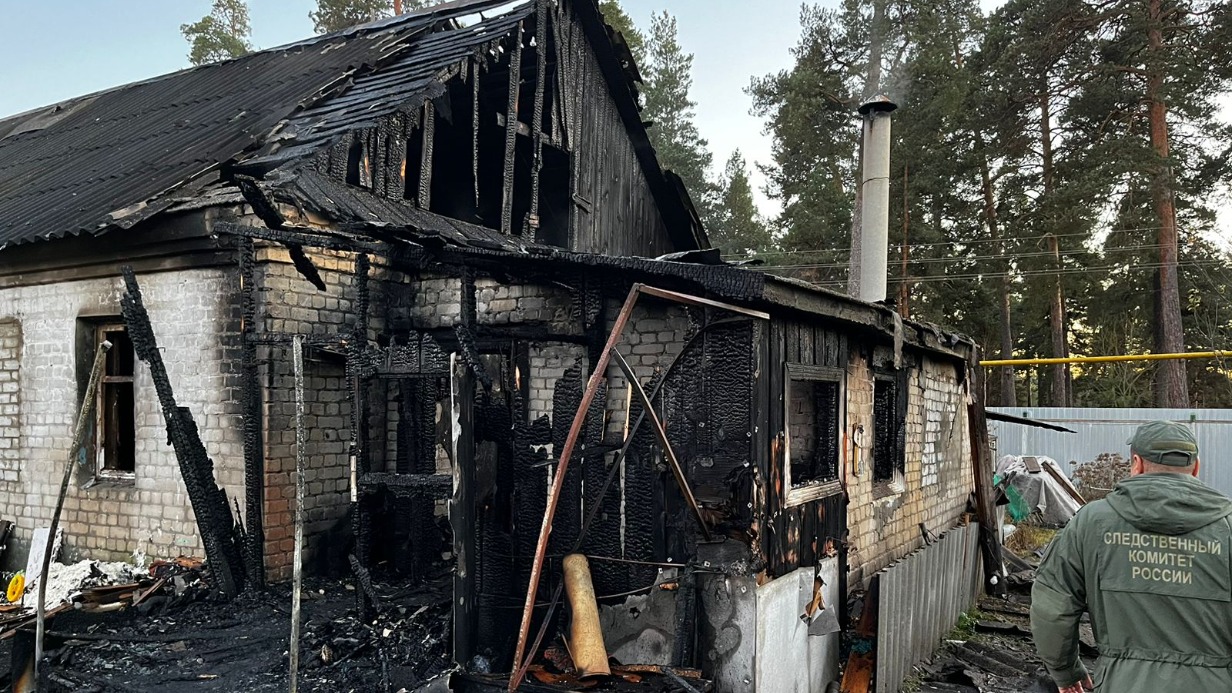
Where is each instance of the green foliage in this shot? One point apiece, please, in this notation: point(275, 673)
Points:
point(965, 628)
point(221, 34)
point(336, 15)
point(1015, 129)
point(618, 19)
point(670, 110)
point(739, 229)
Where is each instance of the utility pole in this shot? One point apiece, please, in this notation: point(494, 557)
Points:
point(903, 292)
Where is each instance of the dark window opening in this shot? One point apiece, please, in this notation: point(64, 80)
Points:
point(888, 424)
point(813, 424)
point(356, 164)
point(813, 421)
point(453, 185)
point(550, 224)
point(115, 406)
point(555, 198)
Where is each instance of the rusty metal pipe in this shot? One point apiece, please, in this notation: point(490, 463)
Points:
point(586, 646)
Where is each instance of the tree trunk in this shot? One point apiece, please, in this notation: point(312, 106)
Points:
point(1058, 374)
point(1007, 397)
point(1171, 388)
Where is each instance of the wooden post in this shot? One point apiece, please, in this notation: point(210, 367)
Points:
point(297, 569)
point(982, 468)
point(83, 415)
point(462, 508)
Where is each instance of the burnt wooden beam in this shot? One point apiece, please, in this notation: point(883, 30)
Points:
point(250, 400)
point(359, 426)
point(420, 485)
point(425, 160)
point(462, 512)
point(209, 502)
point(982, 469)
point(541, 68)
point(511, 131)
point(475, 66)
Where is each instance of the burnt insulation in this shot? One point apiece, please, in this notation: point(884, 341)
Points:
point(566, 399)
point(209, 502)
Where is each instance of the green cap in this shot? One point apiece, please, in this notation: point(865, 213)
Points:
point(1165, 442)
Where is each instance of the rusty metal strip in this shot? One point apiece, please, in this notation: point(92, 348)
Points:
point(511, 130)
point(691, 300)
point(598, 375)
point(661, 433)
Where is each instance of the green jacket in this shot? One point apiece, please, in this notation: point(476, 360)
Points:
point(1152, 563)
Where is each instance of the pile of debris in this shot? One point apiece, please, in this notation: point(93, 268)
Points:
point(991, 650)
point(214, 645)
point(1097, 478)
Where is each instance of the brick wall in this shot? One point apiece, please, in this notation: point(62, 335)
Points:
point(10, 404)
point(655, 335)
point(192, 319)
point(884, 524)
point(289, 303)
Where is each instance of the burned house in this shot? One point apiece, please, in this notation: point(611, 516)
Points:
point(460, 213)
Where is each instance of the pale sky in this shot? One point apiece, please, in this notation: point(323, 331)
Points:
point(54, 50)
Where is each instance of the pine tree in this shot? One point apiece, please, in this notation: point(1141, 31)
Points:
point(740, 230)
point(336, 15)
point(618, 19)
point(681, 148)
point(1154, 72)
point(222, 34)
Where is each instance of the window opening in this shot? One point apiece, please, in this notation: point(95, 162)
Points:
point(888, 452)
point(814, 425)
point(115, 406)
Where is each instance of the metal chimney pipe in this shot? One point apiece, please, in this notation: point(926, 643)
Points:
point(869, 246)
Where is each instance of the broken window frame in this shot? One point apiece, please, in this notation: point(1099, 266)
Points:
point(793, 373)
point(107, 384)
point(896, 481)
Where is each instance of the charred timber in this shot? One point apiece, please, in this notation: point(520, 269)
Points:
point(209, 502)
point(250, 396)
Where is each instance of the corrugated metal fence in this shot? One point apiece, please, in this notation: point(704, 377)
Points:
point(1106, 430)
point(919, 600)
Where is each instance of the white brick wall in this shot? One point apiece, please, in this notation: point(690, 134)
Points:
point(938, 475)
point(190, 312)
point(10, 403)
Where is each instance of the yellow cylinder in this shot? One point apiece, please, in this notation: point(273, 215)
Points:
point(585, 636)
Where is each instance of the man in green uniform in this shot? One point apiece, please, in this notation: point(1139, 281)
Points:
point(1152, 563)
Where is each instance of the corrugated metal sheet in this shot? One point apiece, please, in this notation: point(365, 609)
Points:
point(919, 600)
point(1106, 430)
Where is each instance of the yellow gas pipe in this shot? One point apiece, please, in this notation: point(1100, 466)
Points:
point(1107, 359)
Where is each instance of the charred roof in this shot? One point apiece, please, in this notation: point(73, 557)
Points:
point(114, 158)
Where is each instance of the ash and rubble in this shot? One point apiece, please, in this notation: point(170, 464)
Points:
point(217, 645)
